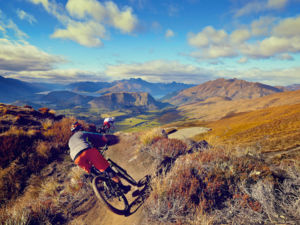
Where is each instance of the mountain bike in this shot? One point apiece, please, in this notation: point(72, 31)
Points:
point(110, 193)
point(104, 129)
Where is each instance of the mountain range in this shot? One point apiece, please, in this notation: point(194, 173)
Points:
point(157, 90)
point(230, 89)
point(13, 89)
point(134, 94)
point(126, 100)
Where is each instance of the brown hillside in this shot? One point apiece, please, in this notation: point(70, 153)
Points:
point(113, 101)
point(230, 88)
point(271, 129)
point(217, 108)
point(124, 86)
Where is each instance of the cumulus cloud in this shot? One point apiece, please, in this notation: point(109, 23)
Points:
point(21, 56)
point(83, 8)
point(282, 39)
point(261, 27)
point(85, 33)
point(20, 60)
point(169, 33)
point(208, 35)
point(45, 3)
point(212, 43)
point(288, 28)
point(284, 76)
point(26, 16)
point(58, 76)
point(240, 36)
point(160, 71)
point(86, 21)
point(260, 6)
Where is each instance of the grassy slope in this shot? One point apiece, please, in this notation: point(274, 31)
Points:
point(274, 128)
point(217, 108)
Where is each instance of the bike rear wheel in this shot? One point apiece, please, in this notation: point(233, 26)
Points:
point(118, 205)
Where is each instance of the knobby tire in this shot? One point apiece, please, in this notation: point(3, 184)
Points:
point(99, 189)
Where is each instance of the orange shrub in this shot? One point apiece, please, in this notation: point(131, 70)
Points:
point(170, 148)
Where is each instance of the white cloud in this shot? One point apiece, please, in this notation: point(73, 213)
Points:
point(169, 33)
point(107, 13)
point(85, 33)
point(261, 27)
point(7, 25)
point(166, 71)
point(207, 36)
point(271, 47)
point(57, 75)
point(214, 52)
point(283, 38)
point(82, 8)
point(240, 36)
point(288, 28)
point(123, 20)
point(160, 71)
point(18, 33)
point(90, 13)
point(284, 76)
point(212, 43)
point(276, 4)
point(21, 56)
point(45, 3)
point(260, 6)
point(26, 16)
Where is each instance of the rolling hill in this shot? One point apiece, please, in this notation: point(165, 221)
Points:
point(65, 100)
point(218, 107)
point(126, 100)
point(88, 86)
point(13, 89)
point(231, 88)
point(157, 90)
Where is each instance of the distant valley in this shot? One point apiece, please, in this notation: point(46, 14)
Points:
point(135, 102)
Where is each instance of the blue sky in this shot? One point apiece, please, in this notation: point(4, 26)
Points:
point(189, 41)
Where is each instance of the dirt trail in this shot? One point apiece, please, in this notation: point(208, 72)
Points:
point(190, 132)
point(137, 164)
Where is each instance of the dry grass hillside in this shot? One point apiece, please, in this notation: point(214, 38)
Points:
point(229, 180)
point(30, 140)
point(219, 107)
point(271, 129)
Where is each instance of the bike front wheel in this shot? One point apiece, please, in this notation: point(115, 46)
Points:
point(118, 205)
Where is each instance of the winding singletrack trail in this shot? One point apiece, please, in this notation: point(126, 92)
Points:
point(126, 154)
point(187, 133)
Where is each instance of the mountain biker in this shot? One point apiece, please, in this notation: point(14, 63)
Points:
point(83, 151)
point(108, 123)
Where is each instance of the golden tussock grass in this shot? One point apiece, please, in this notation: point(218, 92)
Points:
point(43, 149)
point(148, 136)
point(269, 129)
point(47, 124)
